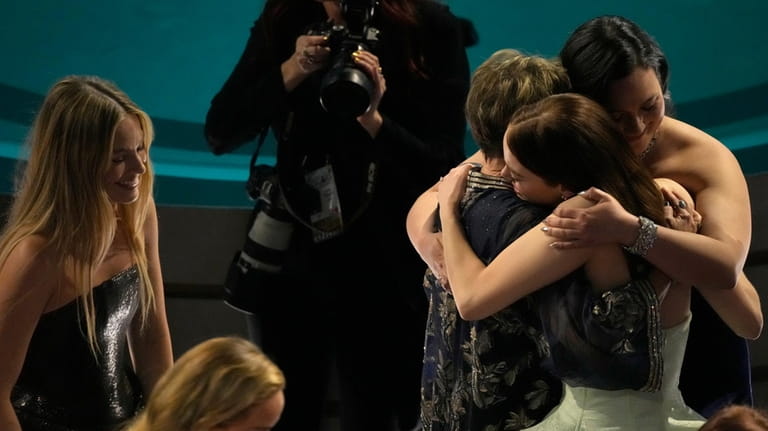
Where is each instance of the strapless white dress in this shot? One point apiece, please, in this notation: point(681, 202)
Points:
point(591, 409)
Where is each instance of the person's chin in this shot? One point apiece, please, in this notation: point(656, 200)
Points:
point(124, 197)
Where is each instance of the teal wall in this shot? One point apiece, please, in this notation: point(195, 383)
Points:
point(171, 56)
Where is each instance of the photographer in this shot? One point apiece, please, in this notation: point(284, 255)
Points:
point(349, 178)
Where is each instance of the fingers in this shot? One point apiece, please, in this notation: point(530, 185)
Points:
point(563, 245)
point(675, 200)
point(311, 52)
point(594, 194)
point(560, 214)
point(370, 62)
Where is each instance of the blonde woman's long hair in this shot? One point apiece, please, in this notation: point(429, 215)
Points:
point(61, 195)
point(212, 384)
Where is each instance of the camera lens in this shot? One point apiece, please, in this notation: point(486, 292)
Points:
point(346, 91)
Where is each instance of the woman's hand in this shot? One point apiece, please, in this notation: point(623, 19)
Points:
point(370, 64)
point(679, 211)
point(311, 54)
point(604, 222)
point(371, 120)
point(451, 189)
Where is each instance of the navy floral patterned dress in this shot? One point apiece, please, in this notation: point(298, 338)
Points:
point(485, 374)
point(505, 372)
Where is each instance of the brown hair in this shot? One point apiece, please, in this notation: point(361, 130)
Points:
point(571, 140)
point(737, 418)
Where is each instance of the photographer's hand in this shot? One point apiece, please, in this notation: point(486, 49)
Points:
point(310, 55)
point(371, 120)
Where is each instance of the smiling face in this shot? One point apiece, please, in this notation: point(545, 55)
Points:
point(636, 103)
point(127, 163)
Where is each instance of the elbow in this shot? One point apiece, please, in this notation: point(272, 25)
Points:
point(217, 146)
point(725, 279)
point(752, 330)
point(469, 311)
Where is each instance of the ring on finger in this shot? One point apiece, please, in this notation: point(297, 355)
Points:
point(682, 205)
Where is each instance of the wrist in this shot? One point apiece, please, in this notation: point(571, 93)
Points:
point(646, 237)
point(371, 122)
point(293, 73)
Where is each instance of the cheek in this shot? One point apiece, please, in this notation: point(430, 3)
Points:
point(113, 174)
point(656, 116)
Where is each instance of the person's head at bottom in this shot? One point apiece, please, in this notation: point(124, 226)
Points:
point(737, 418)
point(221, 384)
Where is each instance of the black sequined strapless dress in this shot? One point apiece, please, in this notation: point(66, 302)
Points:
point(62, 386)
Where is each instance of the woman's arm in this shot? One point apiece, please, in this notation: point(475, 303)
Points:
point(150, 345)
point(420, 227)
point(710, 171)
point(423, 127)
point(738, 307)
point(26, 280)
point(419, 224)
point(524, 266)
point(255, 92)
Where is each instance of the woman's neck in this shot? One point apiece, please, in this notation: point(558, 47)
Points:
point(493, 167)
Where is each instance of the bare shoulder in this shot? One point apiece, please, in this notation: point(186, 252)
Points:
point(30, 251)
point(681, 136)
point(680, 144)
point(30, 263)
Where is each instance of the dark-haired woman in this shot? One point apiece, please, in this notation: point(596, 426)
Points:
point(350, 177)
point(613, 61)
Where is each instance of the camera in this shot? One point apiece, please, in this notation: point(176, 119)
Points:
point(271, 223)
point(345, 90)
point(255, 268)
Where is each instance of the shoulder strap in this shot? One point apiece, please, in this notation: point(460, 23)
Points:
point(259, 144)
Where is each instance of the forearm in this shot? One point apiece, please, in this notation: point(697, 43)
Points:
point(462, 266)
point(152, 354)
point(686, 257)
point(738, 307)
point(694, 259)
point(423, 124)
point(418, 223)
point(252, 95)
point(715, 257)
point(8, 419)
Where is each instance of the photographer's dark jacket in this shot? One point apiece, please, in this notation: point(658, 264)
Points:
point(421, 138)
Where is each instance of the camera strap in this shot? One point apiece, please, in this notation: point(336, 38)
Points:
point(323, 231)
point(255, 155)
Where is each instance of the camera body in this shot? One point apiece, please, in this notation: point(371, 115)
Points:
point(345, 90)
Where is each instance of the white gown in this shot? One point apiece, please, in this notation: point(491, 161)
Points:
point(591, 409)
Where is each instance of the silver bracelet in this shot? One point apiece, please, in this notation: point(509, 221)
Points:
point(646, 236)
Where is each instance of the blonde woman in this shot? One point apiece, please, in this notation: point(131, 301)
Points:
point(83, 330)
point(223, 384)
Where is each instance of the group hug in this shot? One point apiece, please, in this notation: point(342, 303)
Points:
point(582, 270)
